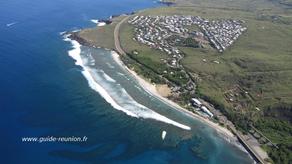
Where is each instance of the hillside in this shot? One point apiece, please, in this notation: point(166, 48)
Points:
point(250, 82)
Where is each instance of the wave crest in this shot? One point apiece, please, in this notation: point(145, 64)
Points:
point(114, 93)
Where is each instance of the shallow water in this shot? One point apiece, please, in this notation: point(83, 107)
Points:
point(44, 93)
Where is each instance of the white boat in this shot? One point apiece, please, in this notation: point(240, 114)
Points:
point(163, 135)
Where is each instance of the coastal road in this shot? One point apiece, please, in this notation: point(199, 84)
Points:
point(118, 47)
point(249, 148)
point(239, 136)
point(116, 37)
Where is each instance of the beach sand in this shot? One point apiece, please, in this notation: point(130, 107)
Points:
point(161, 93)
point(163, 90)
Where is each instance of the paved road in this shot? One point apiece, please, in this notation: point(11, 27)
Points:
point(122, 52)
point(249, 148)
point(116, 37)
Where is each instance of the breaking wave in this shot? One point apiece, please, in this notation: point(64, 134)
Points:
point(97, 22)
point(110, 66)
point(94, 21)
point(112, 92)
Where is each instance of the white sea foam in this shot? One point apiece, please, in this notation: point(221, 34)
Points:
point(113, 93)
point(121, 74)
point(94, 21)
point(62, 33)
point(97, 22)
point(89, 60)
point(66, 37)
point(75, 54)
point(138, 87)
point(109, 65)
point(77, 30)
point(11, 24)
point(108, 78)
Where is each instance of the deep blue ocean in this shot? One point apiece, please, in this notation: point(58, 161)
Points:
point(44, 93)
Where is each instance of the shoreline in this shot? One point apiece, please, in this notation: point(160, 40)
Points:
point(229, 135)
point(222, 132)
point(151, 89)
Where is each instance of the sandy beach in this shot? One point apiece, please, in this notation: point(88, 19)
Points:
point(152, 89)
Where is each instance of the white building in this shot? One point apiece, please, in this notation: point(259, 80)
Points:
point(196, 102)
point(205, 109)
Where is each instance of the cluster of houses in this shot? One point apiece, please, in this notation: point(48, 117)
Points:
point(167, 33)
point(197, 103)
point(222, 33)
point(154, 31)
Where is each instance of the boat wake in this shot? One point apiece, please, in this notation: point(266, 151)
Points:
point(113, 92)
point(11, 24)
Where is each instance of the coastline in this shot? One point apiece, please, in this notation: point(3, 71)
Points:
point(96, 86)
point(232, 136)
point(222, 132)
point(150, 88)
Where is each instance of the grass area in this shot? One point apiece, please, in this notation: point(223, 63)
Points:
point(101, 36)
point(151, 58)
point(247, 5)
point(129, 45)
point(259, 61)
point(258, 66)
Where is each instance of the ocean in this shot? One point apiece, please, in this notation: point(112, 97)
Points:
point(53, 87)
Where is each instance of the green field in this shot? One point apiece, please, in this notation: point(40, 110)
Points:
point(252, 84)
point(102, 36)
point(260, 61)
point(257, 69)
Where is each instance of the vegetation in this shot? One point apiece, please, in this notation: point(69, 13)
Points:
point(256, 69)
point(101, 36)
point(250, 83)
point(141, 70)
point(283, 156)
point(189, 42)
point(280, 132)
point(183, 42)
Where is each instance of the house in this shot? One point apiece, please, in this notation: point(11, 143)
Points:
point(196, 102)
point(205, 109)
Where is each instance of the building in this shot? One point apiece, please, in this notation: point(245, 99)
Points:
point(205, 109)
point(196, 102)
